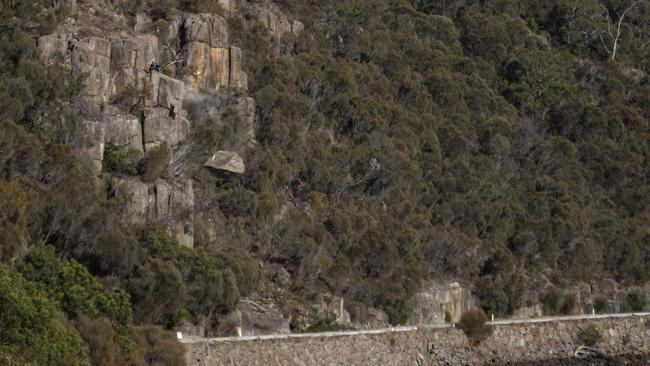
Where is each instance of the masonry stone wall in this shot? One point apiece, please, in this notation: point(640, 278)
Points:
point(510, 342)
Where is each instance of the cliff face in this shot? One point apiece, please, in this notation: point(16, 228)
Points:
point(434, 303)
point(132, 104)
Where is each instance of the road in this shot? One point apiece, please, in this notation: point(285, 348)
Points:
point(404, 328)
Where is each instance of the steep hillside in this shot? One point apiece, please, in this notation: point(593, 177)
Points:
point(219, 166)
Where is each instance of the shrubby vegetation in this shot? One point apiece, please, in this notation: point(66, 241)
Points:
point(478, 140)
point(473, 324)
point(398, 141)
point(636, 301)
point(590, 335)
point(78, 285)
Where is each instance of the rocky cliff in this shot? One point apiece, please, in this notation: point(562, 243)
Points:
point(135, 94)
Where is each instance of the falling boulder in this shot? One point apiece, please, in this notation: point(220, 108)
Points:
point(227, 161)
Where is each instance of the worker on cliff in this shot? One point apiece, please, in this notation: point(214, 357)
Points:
point(153, 65)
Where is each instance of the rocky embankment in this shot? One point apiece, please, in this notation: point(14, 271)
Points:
point(624, 337)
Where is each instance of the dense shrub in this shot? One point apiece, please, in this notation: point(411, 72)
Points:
point(601, 305)
point(397, 313)
point(396, 142)
point(590, 335)
point(473, 324)
point(556, 303)
point(155, 163)
point(120, 160)
point(33, 330)
point(160, 347)
point(636, 301)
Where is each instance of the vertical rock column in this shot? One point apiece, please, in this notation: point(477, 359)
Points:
point(210, 63)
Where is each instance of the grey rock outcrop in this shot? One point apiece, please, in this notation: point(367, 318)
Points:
point(122, 129)
point(271, 18)
point(130, 62)
point(258, 320)
point(136, 195)
point(431, 305)
point(137, 107)
point(160, 127)
point(209, 62)
point(92, 148)
point(92, 56)
point(205, 28)
point(168, 203)
point(371, 318)
point(334, 305)
point(227, 161)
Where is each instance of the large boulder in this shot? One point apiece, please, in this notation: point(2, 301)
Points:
point(227, 161)
point(432, 304)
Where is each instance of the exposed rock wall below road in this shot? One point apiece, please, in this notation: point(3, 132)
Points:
point(519, 341)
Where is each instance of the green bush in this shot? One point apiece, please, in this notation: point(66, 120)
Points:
point(568, 305)
point(601, 305)
point(119, 160)
point(398, 313)
point(555, 303)
point(552, 302)
point(160, 347)
point(473, 324)
point(590, 335)
point(32, 329)
point(636, 300)
point(155, 163)
point(12, 220)
point(324, 322)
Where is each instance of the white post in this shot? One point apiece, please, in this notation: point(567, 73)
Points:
point(179, 335)
point(492, 316)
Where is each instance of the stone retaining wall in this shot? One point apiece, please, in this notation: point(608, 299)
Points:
point(510, 342)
